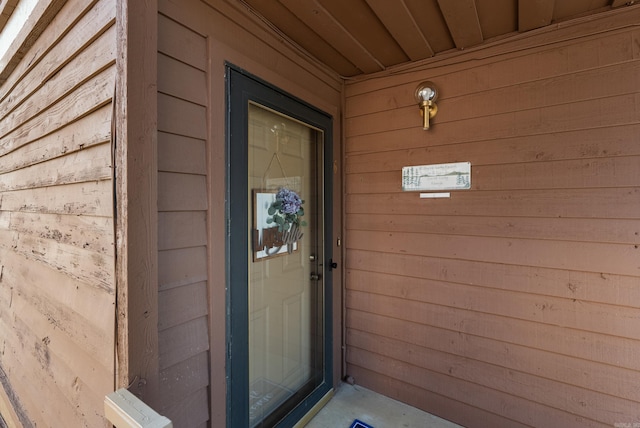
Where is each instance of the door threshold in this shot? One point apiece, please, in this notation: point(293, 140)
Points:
point(315, 409)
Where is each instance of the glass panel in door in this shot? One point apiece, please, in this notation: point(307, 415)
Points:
point(285, 259)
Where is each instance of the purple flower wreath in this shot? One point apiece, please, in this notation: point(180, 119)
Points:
point(286, 210)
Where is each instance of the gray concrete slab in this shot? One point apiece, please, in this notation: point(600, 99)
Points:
point(356, 402)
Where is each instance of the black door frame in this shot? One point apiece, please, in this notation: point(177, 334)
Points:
point(243, 87)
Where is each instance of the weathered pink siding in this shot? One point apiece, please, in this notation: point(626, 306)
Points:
point(57, 294)
point(514, 303)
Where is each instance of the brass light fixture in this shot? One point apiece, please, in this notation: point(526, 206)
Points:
point(426, 95)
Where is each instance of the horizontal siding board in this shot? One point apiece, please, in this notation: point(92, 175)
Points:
point(605, 142)
point(575, 174)
point(582, 344)
point(80, 231)
point(51, 408)
point(178, 381)
point(619, 110)
point(93, 339)
point(182, 304)
point(519, 409)
point(86, 98)
point(181, 80)
point(88, 302)
point(83, 265)
point(554, 311)
point(593, 405)
point(29, 349)
point(182, 342)
point(53, 369)
point(90, 198)
point(520, 95)
point(88, 63)
point(613, 203)
point(181, 192)
point(617, 290)
point(181, 229)
point(181, 117)
point(181, 43)
point(615, 111)
point(561, 229)
point(12, 365)
point(177, 153)
point(94, 371)
point(621, 258)
point(79, 21)
point(88, 131)
point(91, 164)
point(182, 267)
point(590, 375)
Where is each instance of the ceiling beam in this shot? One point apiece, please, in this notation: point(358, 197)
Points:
point(463, 22)
point(400, 23)
point(319, 20)
point(534, 14)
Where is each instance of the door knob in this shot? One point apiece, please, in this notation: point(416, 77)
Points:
point(315, 276)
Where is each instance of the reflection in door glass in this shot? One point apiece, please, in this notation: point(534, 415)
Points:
point(286, 360)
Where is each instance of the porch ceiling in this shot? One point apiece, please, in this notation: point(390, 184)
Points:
point(355, 37)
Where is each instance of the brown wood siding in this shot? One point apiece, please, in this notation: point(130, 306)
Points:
point(196, 39)
point(57, 297)
point(514, 303)
point(183, 338)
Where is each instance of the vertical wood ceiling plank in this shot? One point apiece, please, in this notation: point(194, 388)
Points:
point(294, 29)
point(534, 14)
point(497, 17)
point(400, 23)
point(463, 22)
point(429, 19)
point(367, 28)
point(319, 20)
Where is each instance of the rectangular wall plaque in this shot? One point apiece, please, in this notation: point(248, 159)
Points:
point(444, 176)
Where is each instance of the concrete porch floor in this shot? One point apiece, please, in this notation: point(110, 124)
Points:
point(356, 402)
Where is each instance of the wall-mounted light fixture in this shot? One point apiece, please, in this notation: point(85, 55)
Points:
point(426, 95)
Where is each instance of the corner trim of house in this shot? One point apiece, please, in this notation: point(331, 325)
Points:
point(137, 361)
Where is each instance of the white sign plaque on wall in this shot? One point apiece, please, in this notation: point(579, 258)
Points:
point(443, 176)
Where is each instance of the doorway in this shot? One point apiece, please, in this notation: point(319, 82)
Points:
point(278, 254)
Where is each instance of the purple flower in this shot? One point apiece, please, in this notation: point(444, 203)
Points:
point(291, 202)
point(286, 211)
